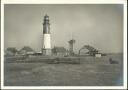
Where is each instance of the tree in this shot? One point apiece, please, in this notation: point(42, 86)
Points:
point(92, 51)
point(12, 50)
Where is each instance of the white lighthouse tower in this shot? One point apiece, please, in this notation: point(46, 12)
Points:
point(46, 50)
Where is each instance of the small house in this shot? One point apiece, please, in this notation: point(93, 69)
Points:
point(98, 55)
point(59, 51)
point(26, 51)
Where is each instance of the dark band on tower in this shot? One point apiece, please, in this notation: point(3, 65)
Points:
point(46, 25)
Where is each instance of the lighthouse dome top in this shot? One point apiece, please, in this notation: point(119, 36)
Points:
point(46, 17)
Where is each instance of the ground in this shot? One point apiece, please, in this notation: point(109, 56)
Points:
point(90, 72)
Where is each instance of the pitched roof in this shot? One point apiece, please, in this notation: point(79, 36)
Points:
point(59, 49)
point(27, 48)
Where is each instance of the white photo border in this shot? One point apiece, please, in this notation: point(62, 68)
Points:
point(124, 2)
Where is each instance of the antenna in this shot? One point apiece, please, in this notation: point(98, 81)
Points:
point(71, 35)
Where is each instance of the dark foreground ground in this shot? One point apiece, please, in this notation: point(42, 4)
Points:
point(90, 72)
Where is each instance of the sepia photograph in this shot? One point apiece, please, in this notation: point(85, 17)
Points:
point(63, 45)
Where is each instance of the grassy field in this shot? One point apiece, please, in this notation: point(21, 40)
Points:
point(90, 72)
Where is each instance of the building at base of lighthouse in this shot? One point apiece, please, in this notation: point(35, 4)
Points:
point(46, 50)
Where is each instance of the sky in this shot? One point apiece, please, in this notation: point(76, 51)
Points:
point(98, 25)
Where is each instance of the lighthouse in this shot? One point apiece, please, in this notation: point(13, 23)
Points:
point(46, 50)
